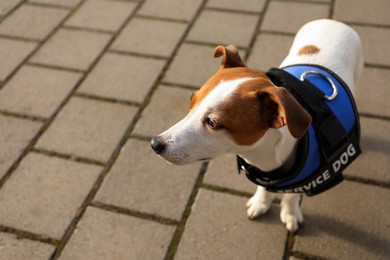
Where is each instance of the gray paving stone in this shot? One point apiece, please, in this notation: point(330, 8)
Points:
point(289, 17)
point(122, 77)
point(269, 51)
point(65, 3)
point(224, 28)
point(359, 11)
point(15, 135)
point(12, 53)
point(71, 49)
point(193, 65)
point(12, 247)
point(374, 162)
point(372, 91)
point(167, 107)
point(219, 229)
point(375, 47)
point(239, 5)
point(33, 22)
point(144, 36)
point(24, 92)
point(176, 9)
point(106, 235)
point(44, 193)
point(141, 181)
point(7, 5)
point(87, 128)
point(348, 222)
point(103, 15)
point(222, 172)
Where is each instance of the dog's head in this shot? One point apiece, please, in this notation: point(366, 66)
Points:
point(230, 113)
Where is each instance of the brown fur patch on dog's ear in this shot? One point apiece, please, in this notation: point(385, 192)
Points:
point(279, 108)
point(231, 58)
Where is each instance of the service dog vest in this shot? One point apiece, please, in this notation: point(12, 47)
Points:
point(331, 142)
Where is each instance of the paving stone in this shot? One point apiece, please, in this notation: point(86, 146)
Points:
point(219, 229)
point(24, 92)
point(239, 5)
point(375, 47)
point(176, 9)
point(33, 22)
point(222, 172)
point(235, 29)
point(65, 3)
point(15, 135)
point(87, 128)
point(269, 51)
point(372, 92)
point(44, 194)
point(193, 65)
point(106, 235)
point(358, 11)
point(6, 6)
point(168, 106)
point(289, 17)
point(122, 77)
point(71, 49)
point(102, 15)
point(13, 247)
point(374, 162)
point(141, 181)
point(144, 36)
point(12, 53)
point(348, 222)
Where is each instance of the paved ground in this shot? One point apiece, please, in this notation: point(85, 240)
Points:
point(85, 84)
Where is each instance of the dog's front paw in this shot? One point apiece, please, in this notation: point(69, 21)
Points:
point(291, 218)
point(256, 207)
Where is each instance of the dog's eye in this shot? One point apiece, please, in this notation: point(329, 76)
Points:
point(212, 124)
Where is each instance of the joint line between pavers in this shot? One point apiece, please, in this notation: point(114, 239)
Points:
point(158, 18)
point(53, 67)
point(107, 99)
point(86, 29)
point(23, 116)
point(257, 29)
point(47, 5)
point(19, 38)
point(2, 18)
point(225, 10)
point(374, 116)
point(179, 85)
point(176, 238)
point(280, 33)
point(70, 157)
point(367, 181)
point(377, 66)
point(141, 55)
point(305, 256)
point(28, 235)
point(289, 245)
point(230, 191)
point(135, 213)
point(302, 1)
point(372, 25)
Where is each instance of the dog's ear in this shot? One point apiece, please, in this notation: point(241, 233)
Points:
point(231, 57)
point(279, 108)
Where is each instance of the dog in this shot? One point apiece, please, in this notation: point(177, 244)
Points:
point(241, 111)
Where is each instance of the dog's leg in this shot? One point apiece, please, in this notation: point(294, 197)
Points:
point(291, 214)
point(259, 203)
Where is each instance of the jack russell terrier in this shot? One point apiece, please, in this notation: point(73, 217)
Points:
point(294, 129)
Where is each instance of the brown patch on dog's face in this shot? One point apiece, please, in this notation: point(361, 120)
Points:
point(223, 75)
point(308, 50)
point(240, 115)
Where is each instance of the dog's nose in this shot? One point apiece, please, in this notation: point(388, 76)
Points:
point(158, 145)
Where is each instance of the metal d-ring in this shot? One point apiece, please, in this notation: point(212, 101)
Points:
point(335, 90)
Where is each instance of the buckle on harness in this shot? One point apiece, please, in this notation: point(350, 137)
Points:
point(335, 90)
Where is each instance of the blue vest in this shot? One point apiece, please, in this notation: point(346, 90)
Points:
point(331, 142)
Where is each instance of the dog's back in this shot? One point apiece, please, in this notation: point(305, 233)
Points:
point(331, 44)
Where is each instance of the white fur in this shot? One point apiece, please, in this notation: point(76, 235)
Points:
point(189, 140)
